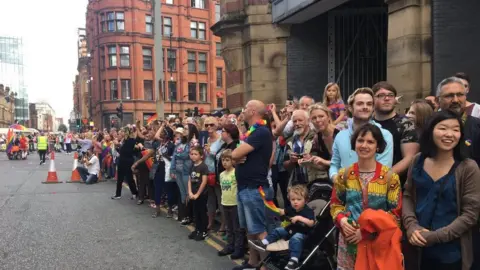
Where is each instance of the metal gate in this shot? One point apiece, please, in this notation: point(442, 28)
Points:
point(357, 48)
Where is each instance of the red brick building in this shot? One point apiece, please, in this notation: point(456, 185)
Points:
point(122, 53)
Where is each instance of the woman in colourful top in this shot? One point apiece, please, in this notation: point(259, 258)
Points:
point(441, 204)
point(332, 98)
point(366, 184)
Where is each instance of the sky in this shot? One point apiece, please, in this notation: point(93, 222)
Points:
point(49, 32)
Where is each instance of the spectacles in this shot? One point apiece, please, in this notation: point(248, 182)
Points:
point(209, 125)
point(452, 95)
point(383, 96)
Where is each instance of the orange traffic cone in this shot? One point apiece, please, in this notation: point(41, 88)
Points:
point(75, 175)
point(52, 173)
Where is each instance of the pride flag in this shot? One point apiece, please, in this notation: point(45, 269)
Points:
point(270, 205)
point(105, 149)
point(9, 140)
point(151, 119)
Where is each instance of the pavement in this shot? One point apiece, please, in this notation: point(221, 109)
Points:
point(75, 226)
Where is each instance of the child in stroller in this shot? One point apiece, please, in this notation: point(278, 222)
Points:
point(319, 244)
point(297, 212)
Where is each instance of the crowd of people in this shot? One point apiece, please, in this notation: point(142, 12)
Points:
point(418, 171)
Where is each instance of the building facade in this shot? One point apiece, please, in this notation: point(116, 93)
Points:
point(12, 74)
point(43, 117)
point(298, 46)
point(121, 46)
point(7, 107)
point(81, 85)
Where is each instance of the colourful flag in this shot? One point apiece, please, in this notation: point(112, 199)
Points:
point(270, 205)
point(9, 140)
point(151, 119)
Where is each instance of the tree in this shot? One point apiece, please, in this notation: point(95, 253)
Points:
point(62, 128)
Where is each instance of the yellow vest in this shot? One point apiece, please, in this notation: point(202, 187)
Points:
point(42, 143)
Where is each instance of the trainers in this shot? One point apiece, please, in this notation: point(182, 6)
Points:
point(291, 265)
point(237, 256)
point(226, 251)
point(245, 266)
point(185, 222)
point(115, 197)
point(201, 236)
point(258, 244)
point(193, 235)
point(169, 213)
point(134, 197)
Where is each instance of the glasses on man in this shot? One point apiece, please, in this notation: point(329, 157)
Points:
point(450, 96)
point(384, 96)
point(209, 125)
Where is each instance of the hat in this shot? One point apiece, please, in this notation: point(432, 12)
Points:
point(180, 130)
point(217, 114)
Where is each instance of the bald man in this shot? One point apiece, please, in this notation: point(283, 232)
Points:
point(253, 162)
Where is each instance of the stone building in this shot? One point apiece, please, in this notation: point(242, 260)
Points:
point(277, 47)
point(7, 107)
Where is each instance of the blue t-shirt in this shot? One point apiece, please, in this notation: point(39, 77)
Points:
point(254, 171)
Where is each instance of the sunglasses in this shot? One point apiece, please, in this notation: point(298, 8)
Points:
point(209, 125)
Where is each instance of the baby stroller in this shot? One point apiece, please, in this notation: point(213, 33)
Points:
point(319, 251)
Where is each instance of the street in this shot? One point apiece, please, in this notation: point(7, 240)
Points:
point(75, 226)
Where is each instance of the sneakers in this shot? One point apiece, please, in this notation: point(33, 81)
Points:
point(201, 236)
point(258, 244)
point(245, 266)
point(115, 197)
point(291, 265)
point(134, 197)
point(226, 251)
point(237, 256)
point(169, 213)
point(193, 235)
point(185, 221)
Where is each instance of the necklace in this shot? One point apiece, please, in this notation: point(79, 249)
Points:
point(253, 128)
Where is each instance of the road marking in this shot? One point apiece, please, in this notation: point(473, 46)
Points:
point(190, 228)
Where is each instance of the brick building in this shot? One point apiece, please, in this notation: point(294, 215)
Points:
point(81, 85)
point(7, 106)
point(121, 62)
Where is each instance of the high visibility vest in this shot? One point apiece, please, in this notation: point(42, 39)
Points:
point(42, 143)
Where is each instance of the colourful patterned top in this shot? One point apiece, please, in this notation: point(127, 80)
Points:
point(350, 196)
point(337, 107)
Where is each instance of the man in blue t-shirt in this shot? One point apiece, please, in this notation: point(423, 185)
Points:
point(253, 160)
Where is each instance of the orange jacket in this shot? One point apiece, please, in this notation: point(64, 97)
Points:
point(383, 251)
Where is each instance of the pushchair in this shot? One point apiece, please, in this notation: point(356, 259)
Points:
point(319, 251)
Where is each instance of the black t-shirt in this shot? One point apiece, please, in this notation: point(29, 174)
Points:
point(254, 171)
point(306, 212)
point(196, 174)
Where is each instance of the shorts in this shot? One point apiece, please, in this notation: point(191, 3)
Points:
point(251, 210)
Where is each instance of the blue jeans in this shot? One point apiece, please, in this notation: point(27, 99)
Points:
point(251, 210)
point(86, 177)
point(271, 220)
point(182, 182)
point(295, 245)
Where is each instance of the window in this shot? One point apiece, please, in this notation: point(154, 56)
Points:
point(192, 59)
point(203, 92)
point(113, 90)
point(219, 102)
point(198, 3)
point(197, 30)
point(102, 58)
point(172, 59)
point(114, 21)
point(172, 91)
point(126, 90)
point(112, 56)
point(217, 13)
point(169, 2)
point(202, 62)
point(148, 24)
point(147, 58)
point(192, 92)
point(148, 90)
point(219, 48)
point(167, 26)
point(124, 56)
point(219, 78)
point(104, 88)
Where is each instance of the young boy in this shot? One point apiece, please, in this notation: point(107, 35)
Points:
point(228, 183)
point(297, 212)
point(197, 193)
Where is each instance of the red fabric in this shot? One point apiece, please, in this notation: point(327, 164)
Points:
point(211, 179)
point(384, 251)
point(149, 161)
point(23, 143)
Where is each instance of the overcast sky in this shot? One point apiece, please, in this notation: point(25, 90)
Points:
point(49, 32)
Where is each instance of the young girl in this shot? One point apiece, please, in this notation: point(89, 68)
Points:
point(333, 100)
point(197, 193)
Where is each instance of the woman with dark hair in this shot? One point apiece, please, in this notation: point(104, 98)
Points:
point(125, 162)
point(441, 200)
point(366, 184)
point(231, 138)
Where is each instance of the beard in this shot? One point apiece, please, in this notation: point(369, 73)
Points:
point(455, 107)
point(298, 131)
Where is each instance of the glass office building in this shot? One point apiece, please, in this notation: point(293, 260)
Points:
point(12, 74)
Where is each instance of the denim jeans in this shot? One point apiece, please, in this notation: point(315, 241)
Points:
point(271, 220)
point(87, 178)
point(295, 245)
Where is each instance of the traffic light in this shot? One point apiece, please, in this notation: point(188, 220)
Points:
point(120, 110)
point(189, 112)
point(195, 111)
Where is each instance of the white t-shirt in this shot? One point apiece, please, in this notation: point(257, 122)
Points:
point(94, 167)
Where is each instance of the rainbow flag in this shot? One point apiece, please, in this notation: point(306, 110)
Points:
point(105, 149)
point(151, 119)
point(270, 205)
point(9, 140)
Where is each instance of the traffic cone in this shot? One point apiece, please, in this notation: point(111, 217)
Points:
point(75, 175)
point(52, 173)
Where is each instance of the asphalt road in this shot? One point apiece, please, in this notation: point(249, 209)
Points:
point(74, 226)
